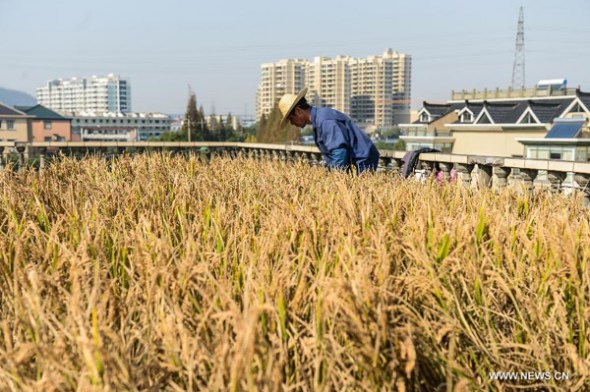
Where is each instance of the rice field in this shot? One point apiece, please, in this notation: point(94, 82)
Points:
point(160, 272)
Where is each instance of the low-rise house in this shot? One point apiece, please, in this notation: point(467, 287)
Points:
point(15, 126)
point(47, 125)
point(497, 126)
point(429, 129)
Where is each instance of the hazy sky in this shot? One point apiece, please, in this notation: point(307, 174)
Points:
point(218, 46)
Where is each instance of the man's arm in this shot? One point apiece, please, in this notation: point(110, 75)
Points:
point(338, 149)
point(338, 158)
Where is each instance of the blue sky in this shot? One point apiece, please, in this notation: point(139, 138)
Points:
point(218, 46)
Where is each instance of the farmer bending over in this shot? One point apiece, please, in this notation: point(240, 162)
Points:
point(341, 142)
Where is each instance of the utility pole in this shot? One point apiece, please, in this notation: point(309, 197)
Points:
point(518, 67)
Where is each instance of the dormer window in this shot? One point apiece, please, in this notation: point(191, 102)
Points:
point(484, 119)
point(424, 117)
point(466, 117)
point(577, 108)
point(528, 119)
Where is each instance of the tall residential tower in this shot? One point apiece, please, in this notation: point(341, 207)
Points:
point(375, 91)
point(102, 94)
point(279, 78)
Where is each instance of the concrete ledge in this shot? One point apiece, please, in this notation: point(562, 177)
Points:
point(581, 167)
point(536, 164)
point(459, 159)
point(392, 154)
point(487, 161)
point(562, 166)
point(442, 157)
point(515, 163)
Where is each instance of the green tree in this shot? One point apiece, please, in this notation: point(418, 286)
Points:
point(229, 121)
point(270, 131)
point(203, 124)
point(193, 123)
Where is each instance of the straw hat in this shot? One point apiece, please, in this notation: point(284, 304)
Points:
point(288, 103)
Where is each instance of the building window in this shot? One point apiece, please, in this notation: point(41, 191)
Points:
point(10, 124)
point(528, 119)
point(484, 119)
point(577, 109)
point(466, 117)
point(47, 139)
point(47, 124)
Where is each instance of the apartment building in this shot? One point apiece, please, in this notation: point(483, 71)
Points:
point(109, 126)
point(282, 77)
point(103, 94)
point(374, 91)
point(329, 84)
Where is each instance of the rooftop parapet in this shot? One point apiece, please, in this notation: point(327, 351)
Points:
point(535, 92)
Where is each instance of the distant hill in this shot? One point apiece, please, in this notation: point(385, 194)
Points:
point(13, 97)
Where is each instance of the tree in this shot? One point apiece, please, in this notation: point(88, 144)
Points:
point(229, 121)
point(194, 122)
point(270, 131)
point(203, 124)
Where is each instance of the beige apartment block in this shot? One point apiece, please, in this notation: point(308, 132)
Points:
point(381, 89)
point(277, 79)
point(374, 91)
point(329, 84)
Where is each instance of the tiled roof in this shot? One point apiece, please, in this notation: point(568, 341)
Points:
point(8, 111)
point(437, 111)
point(546, 111)
point(41, 112)
point(584, 97)
point(504, 113)
point(509, 111)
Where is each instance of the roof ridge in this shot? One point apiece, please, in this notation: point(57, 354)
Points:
point(436, 104)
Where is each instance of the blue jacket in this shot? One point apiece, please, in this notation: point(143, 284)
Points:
point(335, 132)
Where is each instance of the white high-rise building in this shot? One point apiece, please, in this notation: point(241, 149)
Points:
point(102, 94)
point(374, 91)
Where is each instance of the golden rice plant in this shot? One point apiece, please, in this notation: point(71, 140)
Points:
point(160, 272)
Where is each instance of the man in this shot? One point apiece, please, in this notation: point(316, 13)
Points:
point(341, 142)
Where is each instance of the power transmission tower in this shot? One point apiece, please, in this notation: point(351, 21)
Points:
point(518, 67)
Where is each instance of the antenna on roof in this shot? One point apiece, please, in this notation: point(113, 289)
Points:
point(518, 67)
